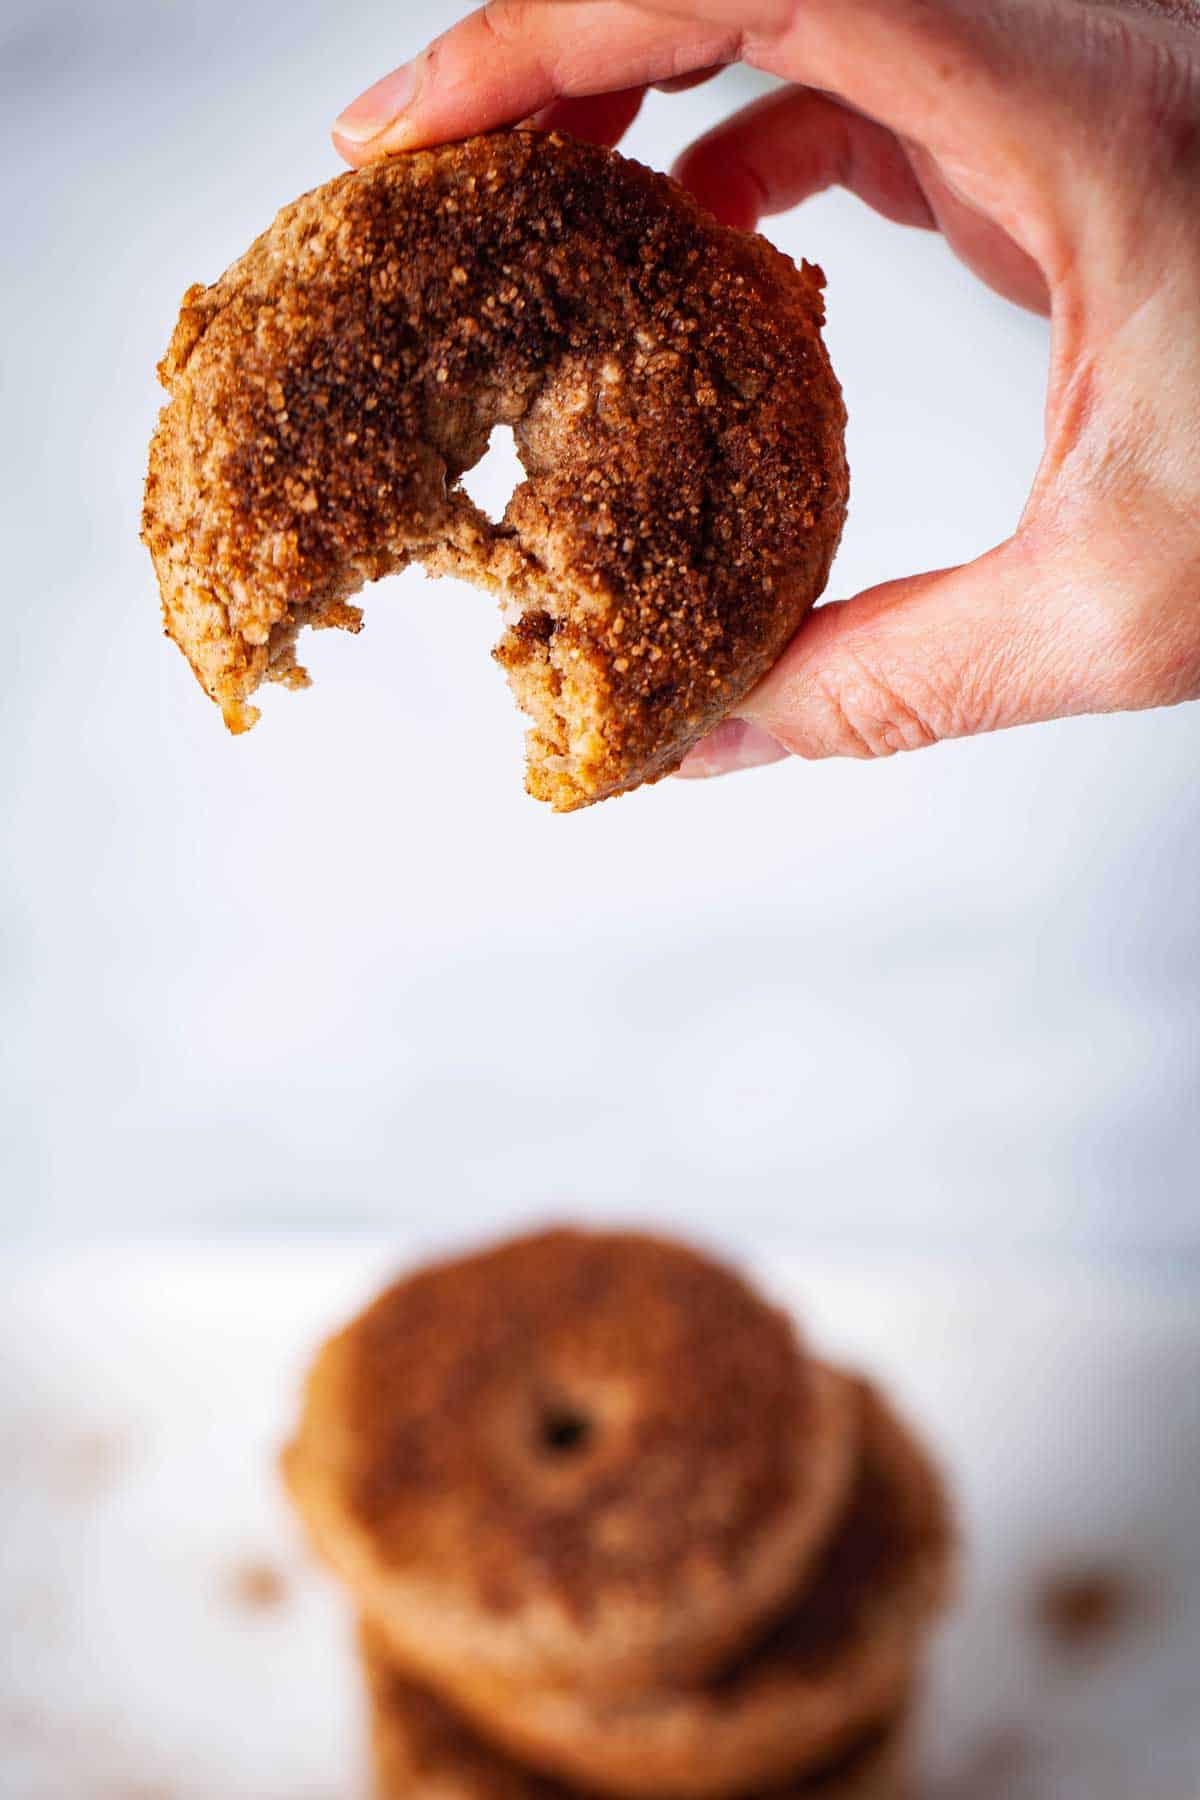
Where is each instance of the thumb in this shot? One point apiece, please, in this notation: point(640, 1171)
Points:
point(1011, 638)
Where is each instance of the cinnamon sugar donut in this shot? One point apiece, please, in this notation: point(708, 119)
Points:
point(672, 404)
point(837, 1665)
point(420, 1750)
point(580, 1457)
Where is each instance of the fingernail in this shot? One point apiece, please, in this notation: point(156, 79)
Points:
point(733, 744)
point(372, 113)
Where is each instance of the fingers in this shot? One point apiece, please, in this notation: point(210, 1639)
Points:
point(679, 84)
point(514, 58)
point(735, 744)
point(1008, 640)
point(913, 663)
point(791, 145)
point(942, 73)
point(788, 146)
point(977, 241)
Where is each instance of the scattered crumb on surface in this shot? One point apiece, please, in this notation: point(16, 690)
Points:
point(90, 1463)
point(1086, 1606)
point(256, 1585)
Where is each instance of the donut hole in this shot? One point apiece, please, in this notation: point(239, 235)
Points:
point(565, 1431)
point(491, 483)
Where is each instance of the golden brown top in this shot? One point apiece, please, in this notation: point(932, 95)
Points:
point(579, 1412)
point(671, 399)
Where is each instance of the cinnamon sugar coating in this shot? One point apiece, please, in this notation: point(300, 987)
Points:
point(671, 401)
point(590, 1456)
point(840, 1661)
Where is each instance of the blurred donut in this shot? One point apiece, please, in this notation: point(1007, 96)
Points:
point(420, 1750)
point(672, 404)
point(579, 1457)
point(835, 1667)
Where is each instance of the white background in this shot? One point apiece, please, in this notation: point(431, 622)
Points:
point(342, 974)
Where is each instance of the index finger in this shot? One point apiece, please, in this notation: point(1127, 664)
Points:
point(514, 57)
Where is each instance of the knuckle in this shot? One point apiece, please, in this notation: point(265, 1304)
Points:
point(1150, 73)
point(869, 715)
point(517, 27)
point(507, 21)
point(1164, 77)
point(496, 18)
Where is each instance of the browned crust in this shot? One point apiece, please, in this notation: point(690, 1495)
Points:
point(421, 1750)
point(418, 1744)
point(840, 1661)
point(709, 1462)
point(671, 400)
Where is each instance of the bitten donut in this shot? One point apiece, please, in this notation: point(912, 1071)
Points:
point(420, 1750)
point(672, 404)
point(579, 1457)
point(837, 1666)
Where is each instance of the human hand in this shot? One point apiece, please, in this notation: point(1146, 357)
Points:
point(1056, 145)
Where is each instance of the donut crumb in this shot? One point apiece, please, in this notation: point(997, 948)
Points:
point(1086, 1606)
point(256, 1586)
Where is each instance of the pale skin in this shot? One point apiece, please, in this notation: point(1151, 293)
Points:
point(1056, 146)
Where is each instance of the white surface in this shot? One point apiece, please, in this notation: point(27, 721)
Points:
point(144, 1397)
point(342, 972)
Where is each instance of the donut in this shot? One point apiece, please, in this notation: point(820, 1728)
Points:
point(838, 1664)
point(421, 1750)
point(592, 1458)
point(671, 401)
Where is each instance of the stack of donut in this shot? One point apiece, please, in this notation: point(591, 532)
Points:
point(610, 1530)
